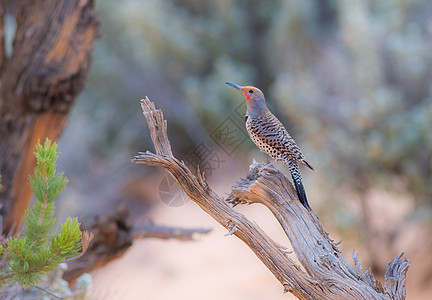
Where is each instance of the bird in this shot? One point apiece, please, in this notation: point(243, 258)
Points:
point(271, 137)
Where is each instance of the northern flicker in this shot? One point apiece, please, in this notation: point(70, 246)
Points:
point(271, 137)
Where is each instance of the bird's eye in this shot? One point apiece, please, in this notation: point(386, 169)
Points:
point(251, 91)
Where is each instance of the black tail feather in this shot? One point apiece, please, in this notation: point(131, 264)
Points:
point(296, 176)
point(301, 193)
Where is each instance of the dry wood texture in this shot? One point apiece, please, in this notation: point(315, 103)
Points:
point(39, 79)
point(114, 234)
point(323, 273)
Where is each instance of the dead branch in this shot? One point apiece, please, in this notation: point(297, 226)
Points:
point(113, 235)
point(151, 230)
point(323, 273)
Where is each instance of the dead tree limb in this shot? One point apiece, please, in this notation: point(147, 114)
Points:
point(114, 234)
point(151, 230)
point(323, 273)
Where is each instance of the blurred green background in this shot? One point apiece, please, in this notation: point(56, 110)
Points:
point(351, 81)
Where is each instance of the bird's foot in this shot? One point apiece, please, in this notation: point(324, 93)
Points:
point(268, 165)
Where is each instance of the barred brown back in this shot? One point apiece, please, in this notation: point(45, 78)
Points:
point(271, 137)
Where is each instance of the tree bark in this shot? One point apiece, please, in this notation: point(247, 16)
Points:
point(322, 273)
point(40, 80)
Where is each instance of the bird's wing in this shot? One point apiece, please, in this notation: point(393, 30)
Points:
point(274, 134)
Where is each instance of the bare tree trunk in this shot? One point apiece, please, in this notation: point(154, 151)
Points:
point(40, 80)
point(323, 273)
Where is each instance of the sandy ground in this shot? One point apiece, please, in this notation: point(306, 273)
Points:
point(211, 267)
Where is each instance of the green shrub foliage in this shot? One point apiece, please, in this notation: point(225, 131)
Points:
point(35, 252)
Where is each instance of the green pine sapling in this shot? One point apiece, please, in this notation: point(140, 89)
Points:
point(35, 252)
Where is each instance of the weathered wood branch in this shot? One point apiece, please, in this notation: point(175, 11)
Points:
point(326, 274)
point(115, 233)
point(151, 230)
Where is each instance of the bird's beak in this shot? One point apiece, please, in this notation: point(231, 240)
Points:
point(235, 86)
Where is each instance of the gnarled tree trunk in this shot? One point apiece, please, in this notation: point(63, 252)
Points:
point(39, 81)
point(323, 273)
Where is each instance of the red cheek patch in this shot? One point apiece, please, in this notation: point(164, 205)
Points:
point(247, 97)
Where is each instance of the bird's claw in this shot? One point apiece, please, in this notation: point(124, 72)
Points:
point(268, 165)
